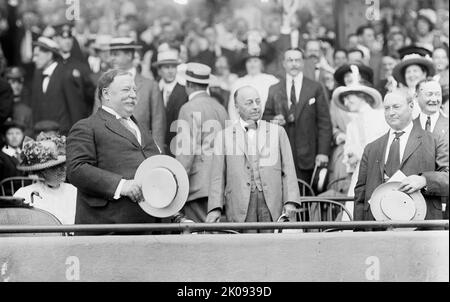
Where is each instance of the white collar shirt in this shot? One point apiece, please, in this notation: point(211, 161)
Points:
point(403, 141)
point(129, 121)
point(434, 118)
point(298, 83)
point(47, 73)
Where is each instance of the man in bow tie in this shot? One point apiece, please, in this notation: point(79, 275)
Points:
point(252, 175)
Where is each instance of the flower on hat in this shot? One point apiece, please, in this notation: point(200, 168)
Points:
point(44, 149)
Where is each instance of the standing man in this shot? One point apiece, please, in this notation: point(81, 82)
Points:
point(299, 105)
point(248, 187)
point(104, 152)
point(421, 156)
point(200, 119)
point(174, 94)
point(150, 111)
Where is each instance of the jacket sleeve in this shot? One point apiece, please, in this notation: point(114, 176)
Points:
point(360, 188)
point(188, 138)
point(323, 122)
point(269, 111)
point(437, 181)
point(290, 190)
point(158, 116)
point(82, 170)
point(218, 175)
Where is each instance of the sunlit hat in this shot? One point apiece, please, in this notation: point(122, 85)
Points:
point(167, 57)
point(123, 43)
point(47, 44)
point(14, 72)
point(374, 98)
point(413, 59)
point(198, 73)
point(165, 185)
point(429, 15)
point(387, 203)
point(44, 153)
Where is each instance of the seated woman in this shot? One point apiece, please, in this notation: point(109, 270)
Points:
point(46, 157)
point(366, 124)
point(10, 151)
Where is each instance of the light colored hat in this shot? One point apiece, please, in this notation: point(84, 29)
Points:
point(198, 73)
point(44, 153)
point(122, 43)
point(48, 44)
point(413, 59)
point(375, 99)
point(167, 57)
point(165, 185)
point(428, 14)
point(387, 203)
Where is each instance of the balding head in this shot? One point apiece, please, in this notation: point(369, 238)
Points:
point(398, 110)
point(248, 103)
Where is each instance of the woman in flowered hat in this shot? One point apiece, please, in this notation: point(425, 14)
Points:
point(46, 157)
point(367, 121)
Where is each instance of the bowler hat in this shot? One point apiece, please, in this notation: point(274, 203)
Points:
point(165, 185)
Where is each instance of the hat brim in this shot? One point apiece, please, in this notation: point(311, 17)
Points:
point(175, 167)
point(123, 47)
point(399, 69)
point(45, 46)
point(195, 80)
point(339, 92)
point(365, 72)
point(386, 188)
point(166, 62)
point(38, 167)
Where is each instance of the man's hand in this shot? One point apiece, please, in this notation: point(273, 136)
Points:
point(321, 160)
point(413, 184)
point(279, 119)
point(290, 210)
point(132, 189)
point(213, 216)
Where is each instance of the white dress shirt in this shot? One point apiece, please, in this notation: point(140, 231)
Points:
point(403, 140)
point(298, 82)
point(166, 89)
point(251, 135)
point(434, 118)
point(48, 73)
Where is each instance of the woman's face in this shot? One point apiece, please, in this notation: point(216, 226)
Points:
point(440, 59)
point(14, 137)
point(413, 75)
point(423, 27)
point(55, 176)
point(353, 102)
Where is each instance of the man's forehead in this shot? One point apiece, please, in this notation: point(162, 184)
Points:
point(433, 86)
point(293, 54)
point(125, 79)
point(247, 93)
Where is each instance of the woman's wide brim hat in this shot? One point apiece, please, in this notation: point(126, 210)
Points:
point(165, 186)
point(365, 72)
point(413, 59)
point(46, 152)
point(388, 203)
point(374, 97)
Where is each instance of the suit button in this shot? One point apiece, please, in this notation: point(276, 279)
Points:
point(248, 167)
point(248, 184)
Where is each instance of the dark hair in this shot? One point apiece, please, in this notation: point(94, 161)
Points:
point(427, 80)
point(295, 49)
point(107, 78)
point(360, 31)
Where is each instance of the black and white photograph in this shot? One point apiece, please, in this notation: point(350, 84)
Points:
point(217, 147)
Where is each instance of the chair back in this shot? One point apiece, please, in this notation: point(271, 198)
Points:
point(305, 188)
point(11, 185)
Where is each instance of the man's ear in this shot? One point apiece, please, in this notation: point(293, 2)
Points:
point(105, 94)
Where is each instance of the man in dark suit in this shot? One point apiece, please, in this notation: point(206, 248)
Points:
point(174, 94)
point(299, 104)
point(420, 155)
point(6, 101)
point(104, 152)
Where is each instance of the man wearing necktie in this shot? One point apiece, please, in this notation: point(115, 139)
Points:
point(246, 184)
point(417, 153)
point(104, 152)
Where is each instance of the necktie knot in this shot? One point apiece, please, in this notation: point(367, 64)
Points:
point(253, 126)
point(398, 134)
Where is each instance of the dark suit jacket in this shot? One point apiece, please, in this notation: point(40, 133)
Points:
point(6, 101)
point(101, 152)
point(424, 154)
point(209, 58)
point(176, 100)
point(311, 133)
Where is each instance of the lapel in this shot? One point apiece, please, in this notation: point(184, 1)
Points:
point(239, 139)
point(283, 97)
point(414, 141)
point(115, 126)
point(57, 74)
point(304, 96)
point(381, 153)
point(262, 136)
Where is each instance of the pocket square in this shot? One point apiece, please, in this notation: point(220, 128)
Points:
point(312, 101)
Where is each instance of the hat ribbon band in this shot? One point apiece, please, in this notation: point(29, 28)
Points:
point(200, 77)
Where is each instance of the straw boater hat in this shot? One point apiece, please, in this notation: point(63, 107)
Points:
point(428, 15)
point(123, 43)
point(44, 153)
point(198, 73)
point(374, 97)
point(47, 44)
point(165, 185)
point(387, 203)
point(413, 56)
point(167, 57)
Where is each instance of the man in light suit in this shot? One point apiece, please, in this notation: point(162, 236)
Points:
point(246, 184)
point(200, 119)
point(420, 155)
point(104, 152)
point(299, 104)
point(150, 111)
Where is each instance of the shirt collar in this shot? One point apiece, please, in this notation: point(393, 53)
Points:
point(244, 124)
point(10, 151)
point(112, 111)
point(50, 69)
point(407, 130)
point(434, 117)
point(297, 79)
point(194, 94)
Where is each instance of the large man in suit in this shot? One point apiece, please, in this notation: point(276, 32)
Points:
point(257, 181)
point(299, 104)
point(104, 152)
point(420, 155)
point(150, 111)
point(200, 119)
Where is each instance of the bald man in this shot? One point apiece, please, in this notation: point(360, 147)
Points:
point(253, 174)
point(420, 155)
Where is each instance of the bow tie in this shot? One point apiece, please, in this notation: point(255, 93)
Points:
point(253, 126)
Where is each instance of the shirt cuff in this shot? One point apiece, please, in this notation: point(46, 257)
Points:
point(119, 189)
